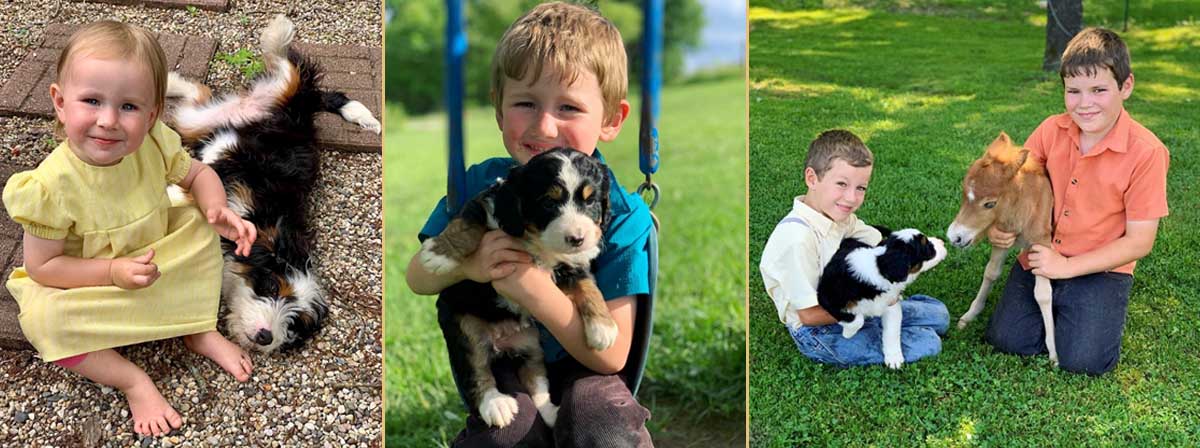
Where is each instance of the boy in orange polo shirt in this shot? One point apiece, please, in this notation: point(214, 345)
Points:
point(1109, 175)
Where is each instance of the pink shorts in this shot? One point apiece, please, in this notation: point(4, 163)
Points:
point(72, 361)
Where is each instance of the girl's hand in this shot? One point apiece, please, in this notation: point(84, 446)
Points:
point(231, 226)
point(497, 257)
point(1048, 263)
point(134, 273)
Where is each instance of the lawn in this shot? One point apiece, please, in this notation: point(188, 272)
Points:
point(694, 384)
point(927, 85)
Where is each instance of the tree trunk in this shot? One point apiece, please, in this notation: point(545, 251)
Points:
point(1064, 19)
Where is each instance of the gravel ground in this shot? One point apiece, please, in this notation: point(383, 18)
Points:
point(326, 394)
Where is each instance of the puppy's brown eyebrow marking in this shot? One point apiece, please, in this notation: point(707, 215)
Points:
point(587, 191)
point(555, 192)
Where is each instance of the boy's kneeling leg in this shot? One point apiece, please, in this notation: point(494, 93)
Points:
point(1016, 326)
point(1090, 319)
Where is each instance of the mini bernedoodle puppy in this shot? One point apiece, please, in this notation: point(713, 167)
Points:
point(866, 281)
point(261, 143)
point(557, 204)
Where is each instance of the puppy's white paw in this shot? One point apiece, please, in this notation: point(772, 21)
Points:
point(433, 262)
point(549, 413)
point(356, 113)
point(601, 333)
point(851, 329)
point(1054, 358)
point(963, 323)
point(893, 360)
point(498, 409)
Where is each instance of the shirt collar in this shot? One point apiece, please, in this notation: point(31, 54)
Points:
point(1117, 138)
point(819, 222)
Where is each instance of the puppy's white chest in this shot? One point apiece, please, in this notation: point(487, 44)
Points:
point(875, 306)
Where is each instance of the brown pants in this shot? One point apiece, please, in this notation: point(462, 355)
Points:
point(595, 411)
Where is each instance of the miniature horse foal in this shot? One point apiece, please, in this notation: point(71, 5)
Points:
point(1009, 190)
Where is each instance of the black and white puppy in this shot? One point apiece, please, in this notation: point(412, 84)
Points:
point(260, 143)
point(557, 204)
point(866, 281)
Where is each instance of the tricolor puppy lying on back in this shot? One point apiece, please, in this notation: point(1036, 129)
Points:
point(865, 281)
point(261, 143)
point(557, 203)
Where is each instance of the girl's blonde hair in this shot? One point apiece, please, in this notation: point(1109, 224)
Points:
point(109, 39)
point(565, 39)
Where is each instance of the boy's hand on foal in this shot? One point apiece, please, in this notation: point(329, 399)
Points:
point(1047, 262)
point(134, 273)
point(497, 257)
point(231, 226)
point(1000, 239)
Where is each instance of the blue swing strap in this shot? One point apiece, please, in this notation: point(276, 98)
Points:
point(651, 79)
point(455, 55)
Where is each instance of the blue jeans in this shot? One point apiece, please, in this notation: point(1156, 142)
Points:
point(925, 319)
point(1089, 318)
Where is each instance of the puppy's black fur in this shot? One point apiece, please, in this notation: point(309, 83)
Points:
point(843, 283)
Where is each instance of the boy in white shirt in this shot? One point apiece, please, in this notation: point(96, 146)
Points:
point(836, 171)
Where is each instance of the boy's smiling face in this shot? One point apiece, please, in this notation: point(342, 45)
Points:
point(550, 113)
point(840, 192)
point(1095, 101)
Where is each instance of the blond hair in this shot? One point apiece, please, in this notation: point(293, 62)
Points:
point(1095, 49)
point(565, 39)
point(837, 144)
point(108, 39)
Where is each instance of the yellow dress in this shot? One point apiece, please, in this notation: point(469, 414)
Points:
point(108, 212)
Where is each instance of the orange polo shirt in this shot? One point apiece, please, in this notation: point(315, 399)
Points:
point(1122, 178)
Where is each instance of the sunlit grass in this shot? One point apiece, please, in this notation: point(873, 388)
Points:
point(927, 89)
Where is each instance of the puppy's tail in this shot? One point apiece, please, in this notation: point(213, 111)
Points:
point(275, 39)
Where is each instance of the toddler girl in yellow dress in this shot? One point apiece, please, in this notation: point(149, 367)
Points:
point(109, 261)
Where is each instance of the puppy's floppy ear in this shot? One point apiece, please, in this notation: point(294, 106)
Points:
point(304, 325)
point(893, 264)
point(506, 206)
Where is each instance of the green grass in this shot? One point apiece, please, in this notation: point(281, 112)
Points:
point(927, 92)
point(694, 384)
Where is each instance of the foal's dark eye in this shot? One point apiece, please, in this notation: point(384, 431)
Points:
point(989, 205)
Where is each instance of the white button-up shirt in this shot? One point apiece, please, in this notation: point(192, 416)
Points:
point(797, 252)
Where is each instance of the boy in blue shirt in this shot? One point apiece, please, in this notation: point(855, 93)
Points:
point(559, 78)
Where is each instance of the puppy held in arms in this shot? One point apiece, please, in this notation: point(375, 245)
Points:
point(557, 204)
point(866, 281)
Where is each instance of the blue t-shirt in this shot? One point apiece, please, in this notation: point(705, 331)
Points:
point(623, 267)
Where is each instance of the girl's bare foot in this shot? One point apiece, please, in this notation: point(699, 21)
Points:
point(227, 354)
point(152, 415)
